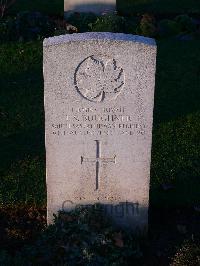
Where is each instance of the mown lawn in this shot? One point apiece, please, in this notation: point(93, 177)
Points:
point(22, 131)
point(124, 6)
point(176, 141)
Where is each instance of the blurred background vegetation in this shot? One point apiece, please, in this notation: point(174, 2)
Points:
point(123, 6)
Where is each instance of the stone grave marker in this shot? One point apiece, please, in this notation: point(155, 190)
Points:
point(99, 97)
point(96, 6)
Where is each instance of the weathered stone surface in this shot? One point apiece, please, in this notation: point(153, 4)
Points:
point(99, 95)
point(95, 6)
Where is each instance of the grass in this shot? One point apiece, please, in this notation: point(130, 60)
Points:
point(124, 6)
point(176, 145)
point(21, 110)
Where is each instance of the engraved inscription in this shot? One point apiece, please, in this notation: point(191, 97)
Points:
point(98, 160)
point(101, 121)
point(99, 78)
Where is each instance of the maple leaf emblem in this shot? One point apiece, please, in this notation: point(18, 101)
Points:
point(99, 79)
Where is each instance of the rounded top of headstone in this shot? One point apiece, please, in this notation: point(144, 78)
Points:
point(78, 37)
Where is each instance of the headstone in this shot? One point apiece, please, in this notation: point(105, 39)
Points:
point(99, 97)
point(96, 6)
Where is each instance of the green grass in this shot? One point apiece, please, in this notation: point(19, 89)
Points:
point(176, 134)
point(176, 145)
point(124, 6)
point(22, 130)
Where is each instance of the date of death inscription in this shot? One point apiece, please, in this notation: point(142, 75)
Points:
point(90, 121)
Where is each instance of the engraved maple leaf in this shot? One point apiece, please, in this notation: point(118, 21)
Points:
point(97, 79)
point(113, 77)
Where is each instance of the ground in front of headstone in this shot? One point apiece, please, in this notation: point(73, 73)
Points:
point(20, 225)
point(168, 228)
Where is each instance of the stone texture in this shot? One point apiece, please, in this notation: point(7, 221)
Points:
point(95, 6)
point(99, 96)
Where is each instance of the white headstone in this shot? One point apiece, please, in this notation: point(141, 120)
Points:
point(99, 97)
point(96, 6)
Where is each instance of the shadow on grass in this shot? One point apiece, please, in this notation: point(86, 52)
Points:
point(21, 110)
point(22, 138)
point(17, 146)
point(176, 146)
point(177, 80)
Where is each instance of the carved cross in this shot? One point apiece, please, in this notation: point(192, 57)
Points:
point(98, 160)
